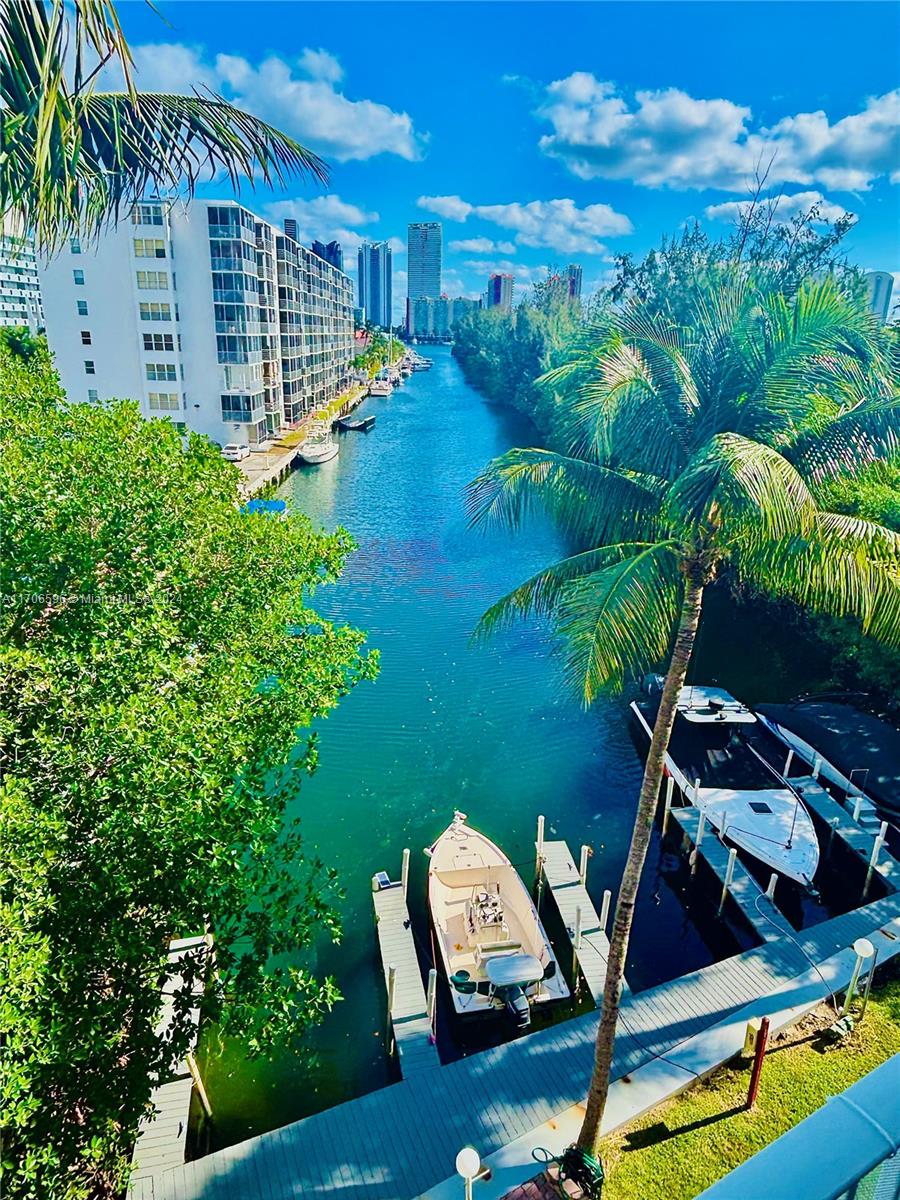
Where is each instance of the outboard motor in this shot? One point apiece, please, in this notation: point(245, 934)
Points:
point(652, 685)
point(517, 1007)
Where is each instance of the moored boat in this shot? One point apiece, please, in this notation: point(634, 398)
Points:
point(319, 446)
point(719, 769)
point(494, 950)
point(359, 425)
point(380, 387)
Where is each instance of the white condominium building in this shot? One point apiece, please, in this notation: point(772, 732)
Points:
point(202, 313)
point(20, 291)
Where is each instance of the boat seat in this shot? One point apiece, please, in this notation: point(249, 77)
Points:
point(496, 949)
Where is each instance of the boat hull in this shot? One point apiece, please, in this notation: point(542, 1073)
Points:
point(314, 455)
point(769, 823)
point(486, 926)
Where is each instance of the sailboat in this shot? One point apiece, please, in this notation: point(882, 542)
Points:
point(713, 758)
point(492, 944)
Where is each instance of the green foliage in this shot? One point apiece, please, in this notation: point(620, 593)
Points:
point(502, 354)
point(18, 340)
point(700, 450)
point(160, 666)
point(74, 157)
point(382, 350)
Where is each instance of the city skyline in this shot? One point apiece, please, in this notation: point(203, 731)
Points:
point(610, 151)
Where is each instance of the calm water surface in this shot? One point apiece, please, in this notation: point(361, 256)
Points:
point(449, 723)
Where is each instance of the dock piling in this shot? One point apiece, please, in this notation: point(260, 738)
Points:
point(604, 910)
point(697, 791)
point(431, 997)
point(873, 860)
point(832, 828)
point(404, 872)
point(817, 766)
point(539, 844)
point(583, 864)
point(857, 807)
point(787, 763)
point(391, 988)
point(729, 875)
point(770, 890)
point(667, 803)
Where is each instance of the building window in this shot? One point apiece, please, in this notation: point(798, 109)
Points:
point(149, 248)
point(153, 310)
point(89, 367)
point(152, 279)
point(164, 401)
point(159, 341)
point(161, 372)
point(75, 245)
point(92, 395)
point(82, 308)
point(85, 337)
point(78, 276)
point(147, 214)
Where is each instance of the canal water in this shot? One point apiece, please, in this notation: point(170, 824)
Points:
point(488, 728)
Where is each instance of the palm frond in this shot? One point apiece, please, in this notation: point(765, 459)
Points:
point(71, 157)
point(854, 438)
point(619, 620)
point(539, 595)
point(735, 488)
point(592, 503)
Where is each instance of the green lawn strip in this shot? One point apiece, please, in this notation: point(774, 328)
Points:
point(684, 1145)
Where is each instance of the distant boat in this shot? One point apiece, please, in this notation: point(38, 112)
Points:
point(715, 763)
point(320, 445)
point(360, 425)
point(380, 387)
point(492, 944)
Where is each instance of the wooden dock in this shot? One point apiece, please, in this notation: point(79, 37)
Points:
point(411, 1026)
point(570, 894)
point(758, 910)
point(401, 1141)
point(860, 840)
point(162, 1139)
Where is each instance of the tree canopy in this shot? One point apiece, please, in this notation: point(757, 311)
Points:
point(161, 666)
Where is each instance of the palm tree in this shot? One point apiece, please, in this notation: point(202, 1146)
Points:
point(72, 156)
point(687, 455)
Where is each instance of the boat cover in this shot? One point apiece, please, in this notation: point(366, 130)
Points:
point(507, 969)
point(851, 740)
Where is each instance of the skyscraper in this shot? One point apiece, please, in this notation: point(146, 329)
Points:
point(881, 285)
point(500, 292)
point(573, 279)
point(424, 261)
point(20, 292)
point(375, 289)
point(331, 252)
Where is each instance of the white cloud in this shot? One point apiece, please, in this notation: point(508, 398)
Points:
point(330, 210)
point(552, 224)
point(482, 245)
point(667, 138)
point(785, 208)
point(300, 96)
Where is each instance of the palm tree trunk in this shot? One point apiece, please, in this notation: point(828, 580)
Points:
point(589, 1137)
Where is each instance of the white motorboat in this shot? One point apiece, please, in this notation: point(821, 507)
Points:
point(714, 760)
point(381, 387)
point(492, 944)
point(319, 446)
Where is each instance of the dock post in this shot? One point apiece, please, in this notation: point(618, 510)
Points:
point(832, 827)
point(787, 763)
point(701, 829)
point(873, 860)
point(431, 996)
point(576, 946)
point(667, 804)
point(817, 766)
point(697, 790)
point(539, 859)
point(770, 890)
point(404, 872)
point(857, 807)
point(729, 874)
point(392, 985)
point(759, 1054)
point(582, 866)
point(604, 910)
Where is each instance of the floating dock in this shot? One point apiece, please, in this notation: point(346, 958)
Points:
point(411, 1026)
point(859, 839)
point(590, 943)
point(756, 907)
point(162, 1139)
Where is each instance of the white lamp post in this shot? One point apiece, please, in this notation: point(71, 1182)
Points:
point(864, 950)
point(468, 1164)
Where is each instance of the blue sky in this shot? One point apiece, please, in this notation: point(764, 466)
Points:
point(546, 133)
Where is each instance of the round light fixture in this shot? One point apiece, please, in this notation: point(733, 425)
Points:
point(863, 947)
point(468, 1162)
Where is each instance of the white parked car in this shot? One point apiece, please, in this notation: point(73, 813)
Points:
point(236, 451)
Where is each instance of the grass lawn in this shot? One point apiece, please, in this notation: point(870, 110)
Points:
point(680, 1148)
